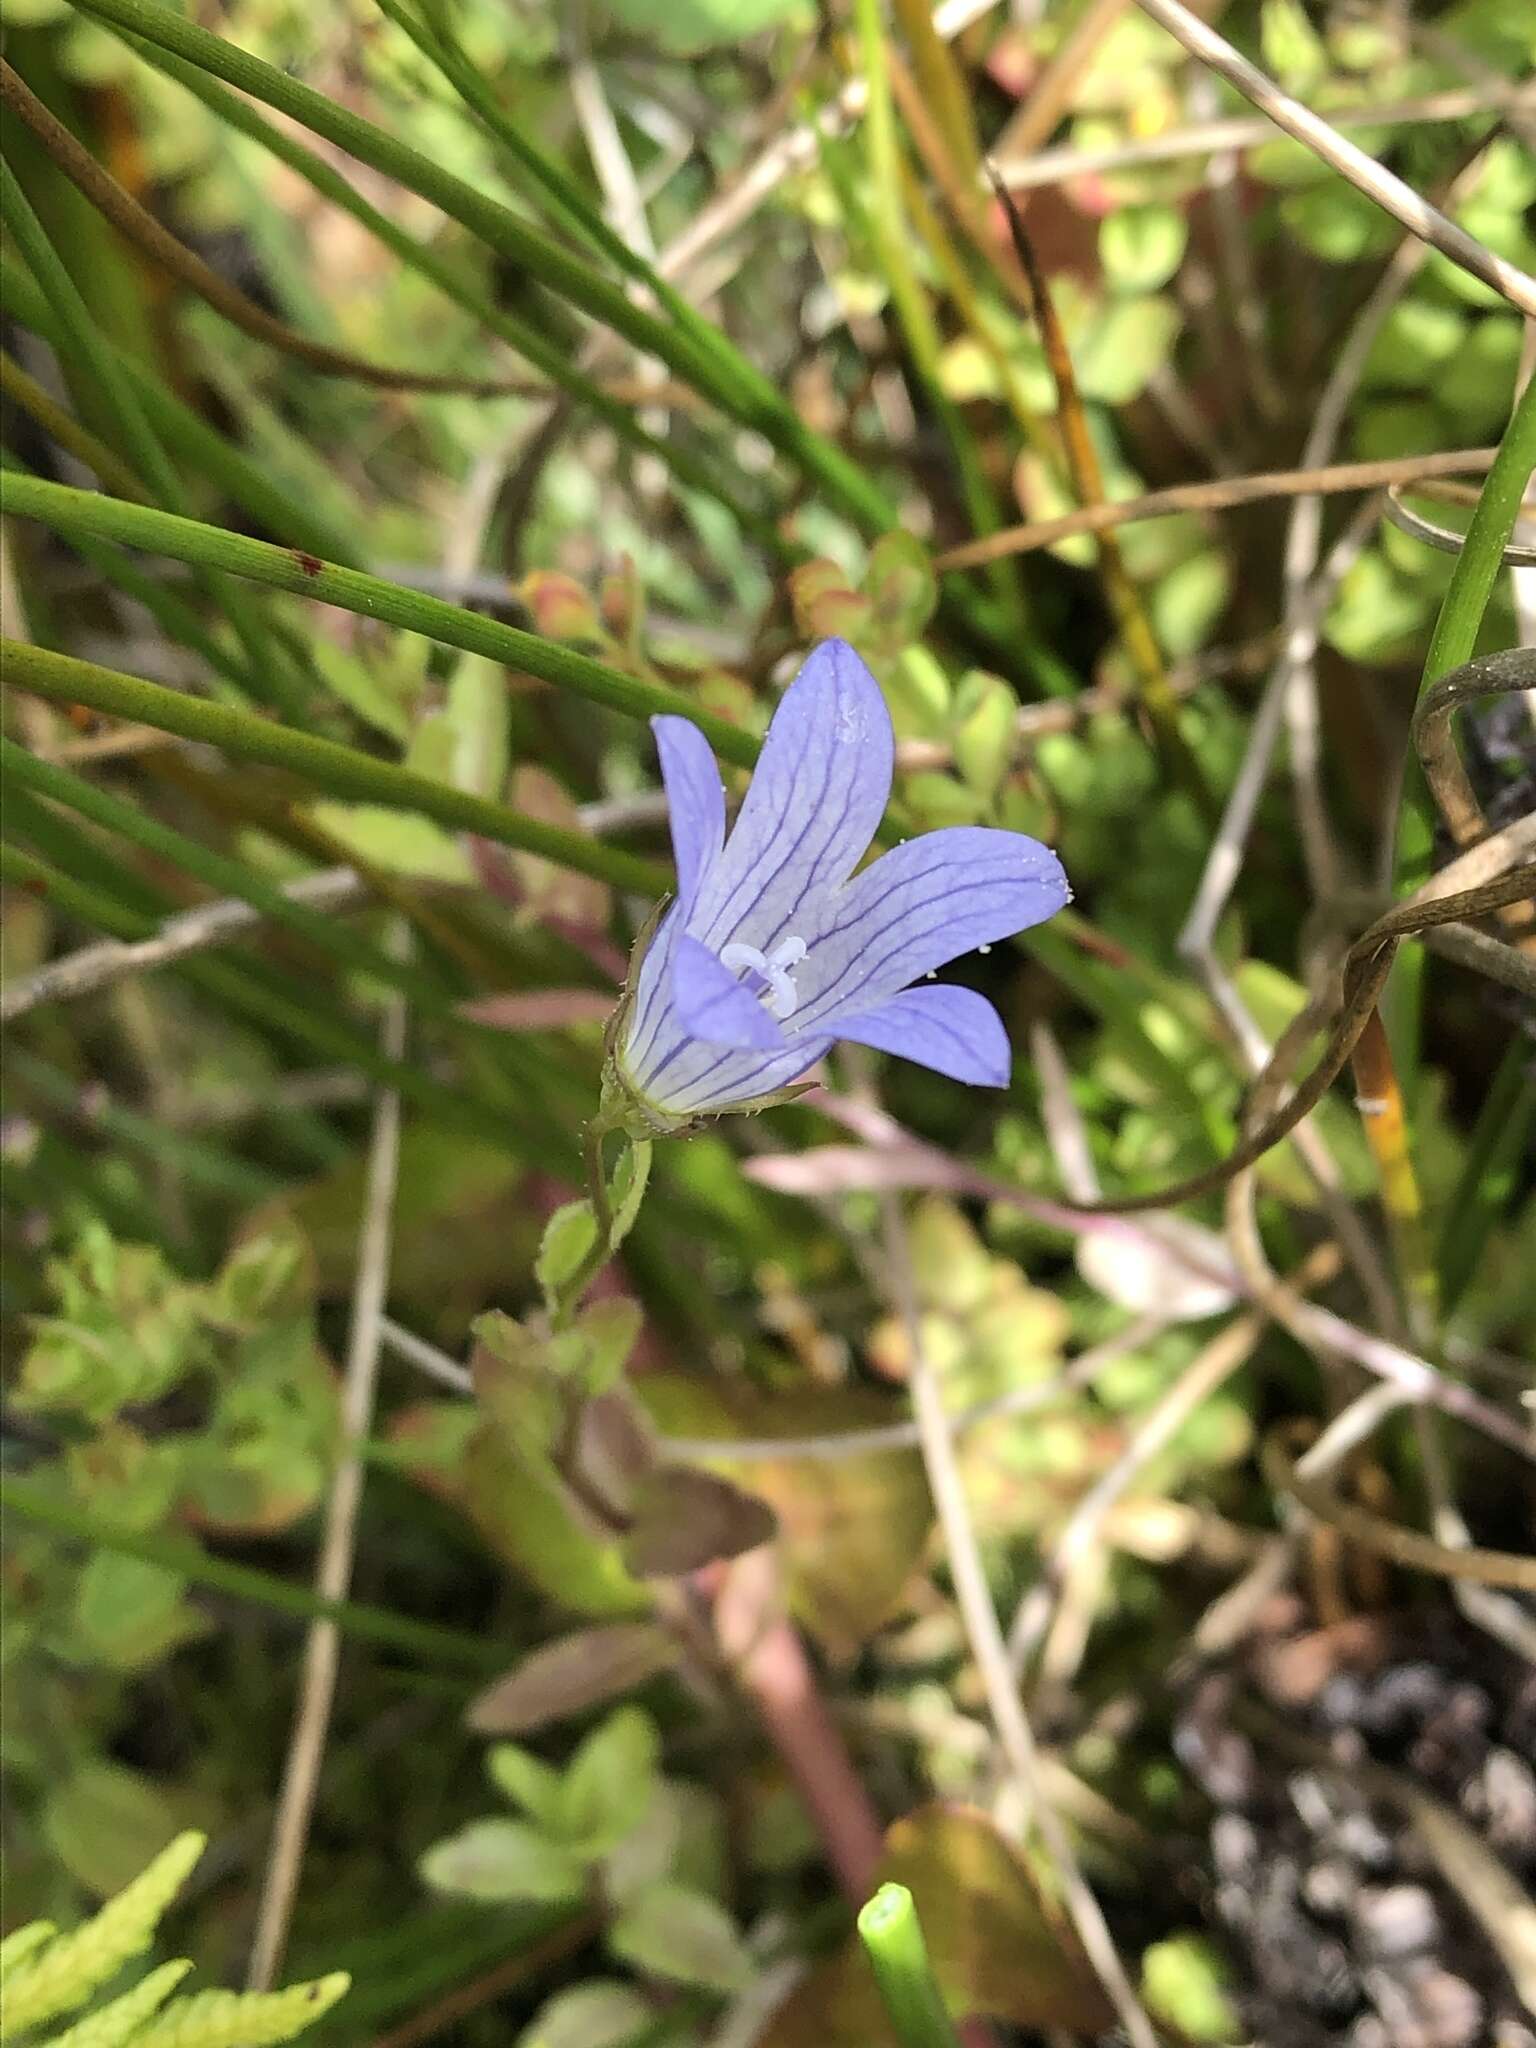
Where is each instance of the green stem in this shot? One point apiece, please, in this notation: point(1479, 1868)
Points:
point(189, 437)
point(332, 939)
point(70, 512)
point(171, 613)
point(602, 1211)
point(559, 191)
point(892, 237)
point(898, 1955)
point(434, 1646)
point(325, 764)
point(1490, 1172)
point(743, 393)
point(1454, 641)
point(263, 1001)
point(106, 398)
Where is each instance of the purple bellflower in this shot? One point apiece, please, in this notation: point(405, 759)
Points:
point(774, 949)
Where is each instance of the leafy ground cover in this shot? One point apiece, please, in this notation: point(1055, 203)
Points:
point(565, 1564)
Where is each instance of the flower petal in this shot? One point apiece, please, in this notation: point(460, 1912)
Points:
point(703, 1080)
point(953, 1030)
point(712, 1005)
point(815, 799)
point(695, 801)
point(918, 907)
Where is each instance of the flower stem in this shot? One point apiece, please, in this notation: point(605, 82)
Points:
point(602, 1211)
point(898, 1955)
point(324, 764)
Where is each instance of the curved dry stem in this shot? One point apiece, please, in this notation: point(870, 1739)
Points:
point(1365, 973)
point(1407, 1547)
point(1435, 741)
point(1517, 554)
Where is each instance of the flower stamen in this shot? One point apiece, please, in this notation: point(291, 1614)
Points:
point(779, 994)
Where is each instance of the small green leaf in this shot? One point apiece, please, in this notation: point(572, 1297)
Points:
point(1182, 1982)
point(398, 842)
point(1141, 247)
point(1292, 48)
point(105, 1823)
point(499, 1861)
point(683, 1936)
point(477, 714)
point(901, 588)
point(687, 28)
point(375, 697)
point(569, 1236)
point(1125, 346)
point(609, 1783)
point(592, 2015)
point(986, 715)
point(532, 1784)
point(131, 1614)
point(571, 1232)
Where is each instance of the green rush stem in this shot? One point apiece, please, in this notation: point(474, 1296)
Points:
point(206, 1167)
point(1453, 642)
point(324, 764)
point(70, 512)
point(423, 1640)
point(560, 192)
point(61, 426)
point(893, 1940)
point(331, 937)
point(107, 399)
point(191, 438)
point(883, 152)
point(172, 614)
point(236, 986)
point(738, 389)
point(527, 340)
point(1490, 1172)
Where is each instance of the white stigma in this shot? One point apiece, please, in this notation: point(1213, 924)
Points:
point(781, 995)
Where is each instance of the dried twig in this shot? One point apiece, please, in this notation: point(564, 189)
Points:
point(1515, 1569)
point(333, 1573)
point(1362, 171)
point(190, 931)
point(796, 150)
point(835, 1445)
point(1211, 1367)
point(985, 1636)
point(892, 1158)
point(1240, 131)
point(1218, 495)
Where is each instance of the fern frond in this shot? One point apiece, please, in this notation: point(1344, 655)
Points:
point(66, 1971)
point(20, 1946)
point(243, 2019)
point(117, 2024)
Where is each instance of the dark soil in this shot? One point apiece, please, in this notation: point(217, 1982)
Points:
point(1341, 1918)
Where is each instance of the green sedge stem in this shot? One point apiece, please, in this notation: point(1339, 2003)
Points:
point(421, 1639)
point(342, 771)
point(107, 399)
point(69, 512)
point(200, 447)
point(1490, 1171)
point(1454, 641)
point(238, 986)
point(893, 1940)
point(738, 390)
